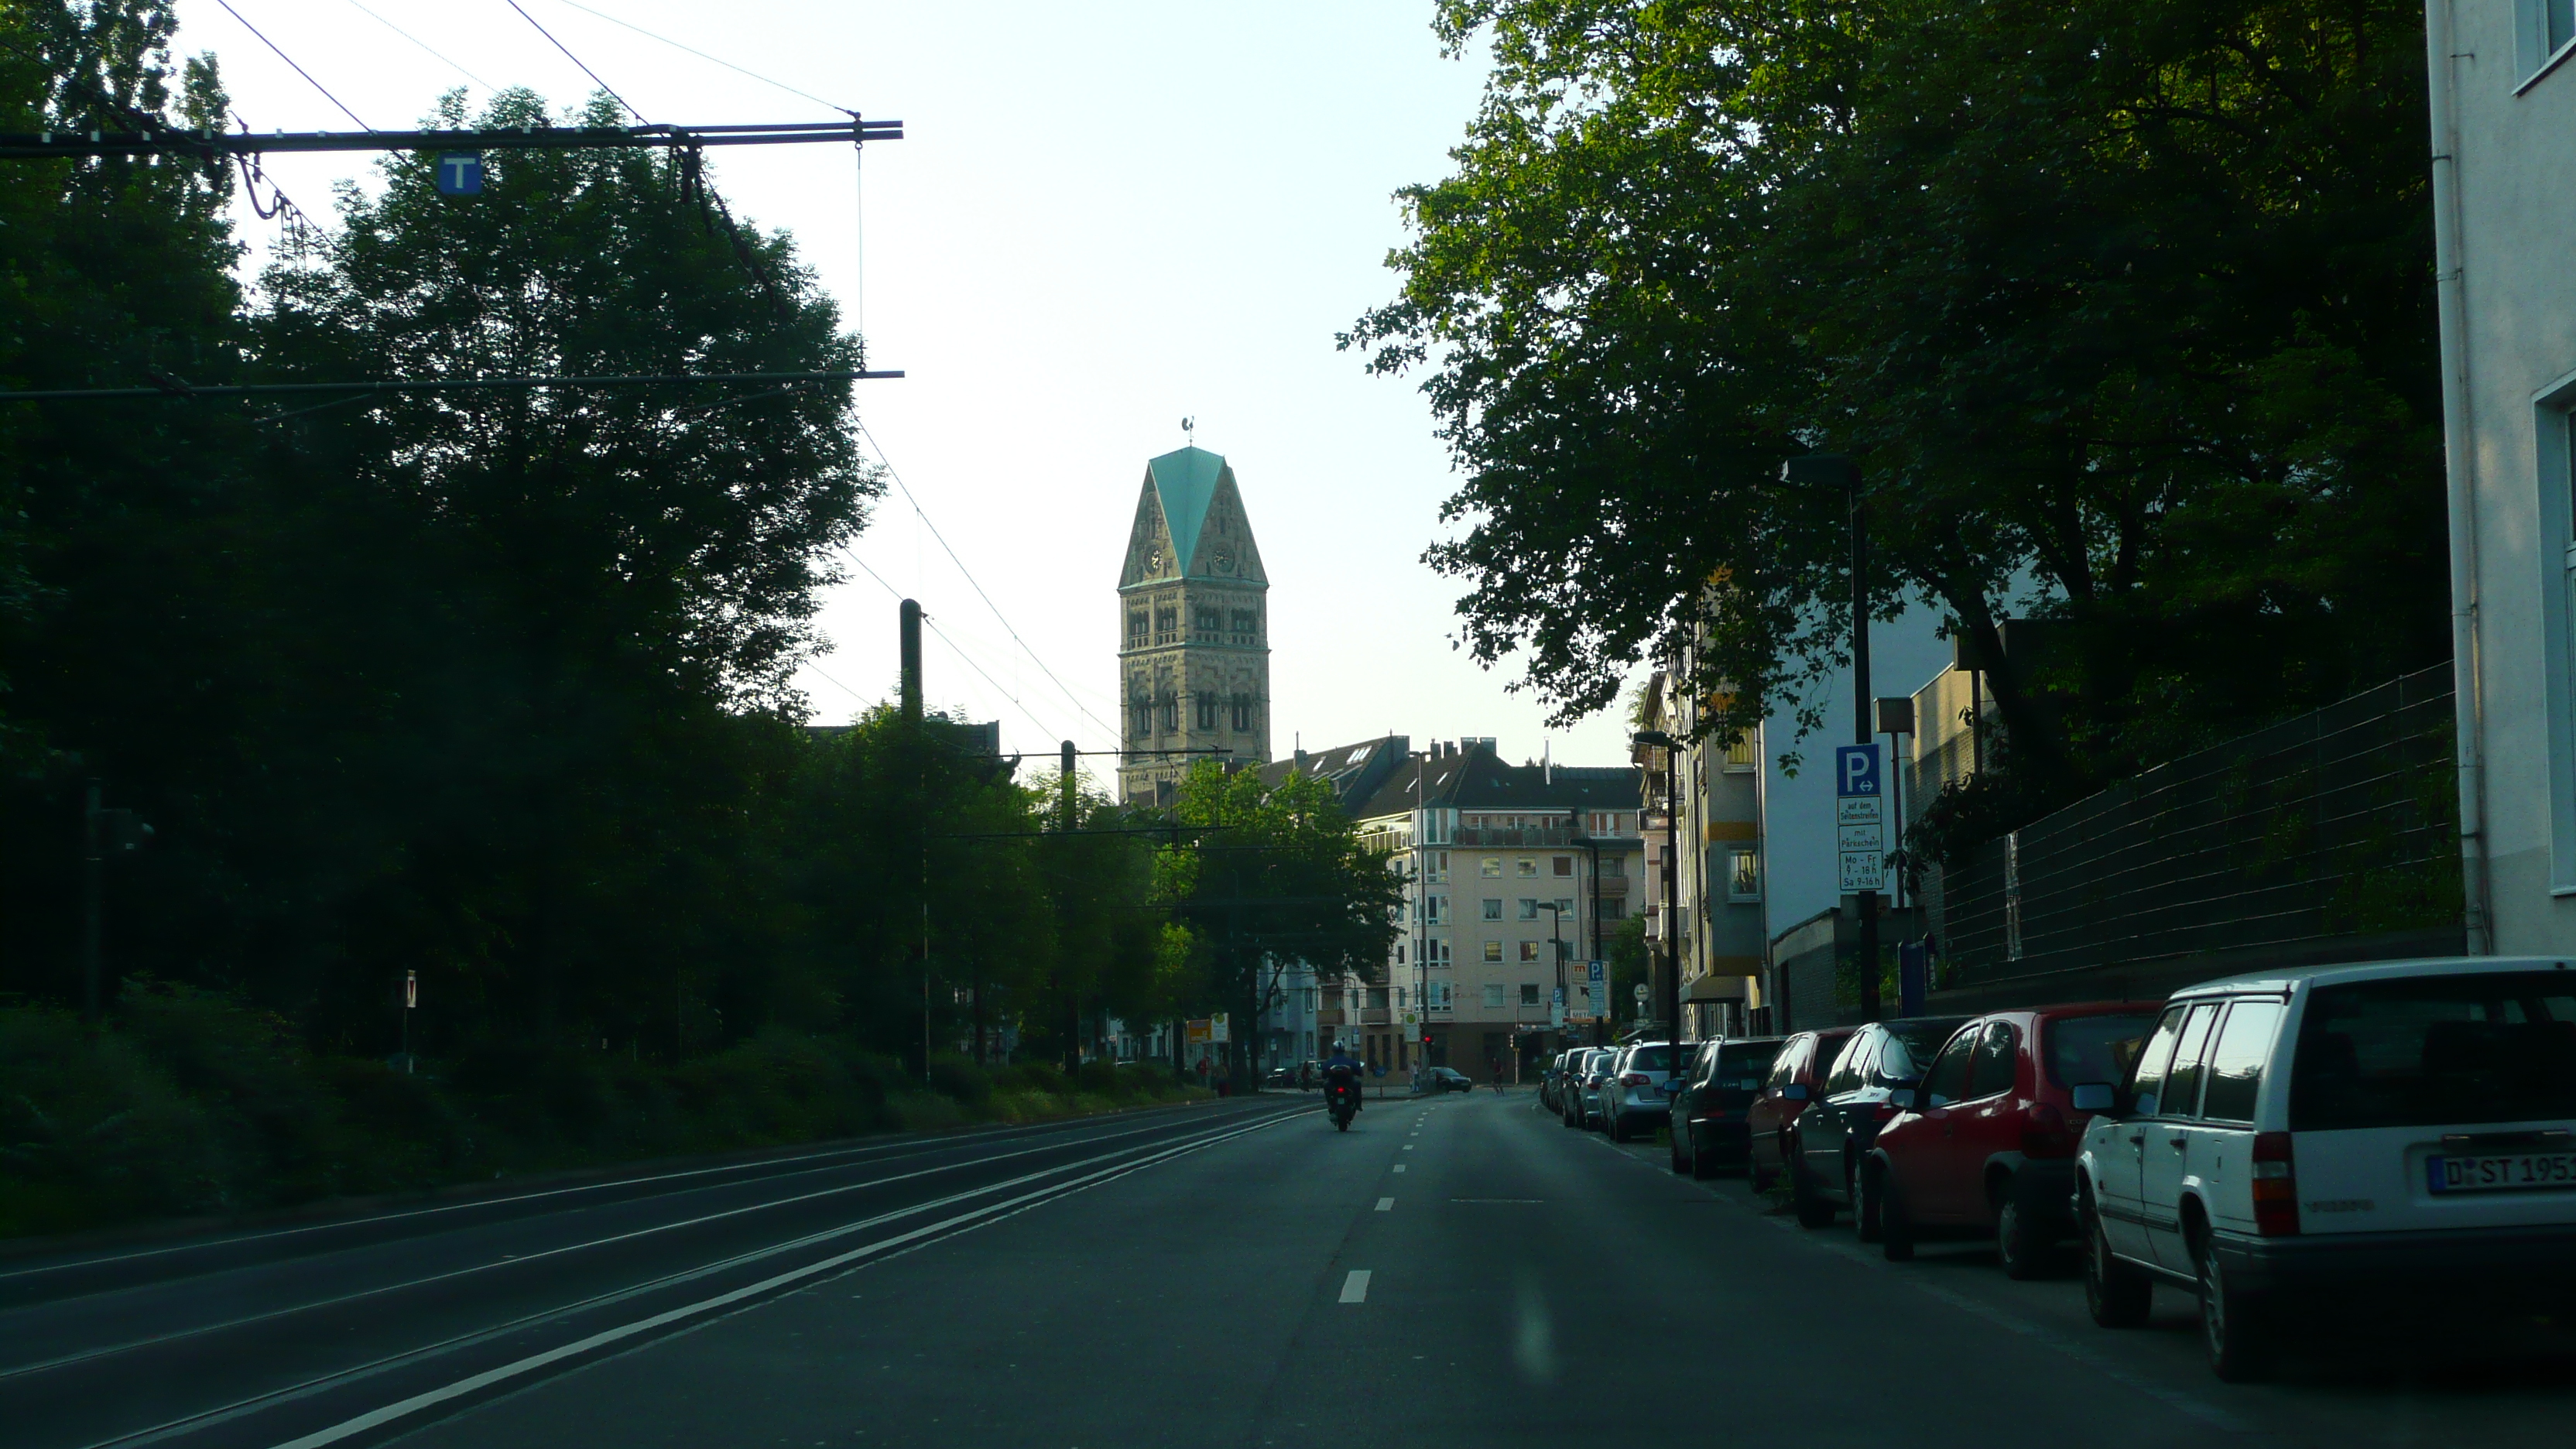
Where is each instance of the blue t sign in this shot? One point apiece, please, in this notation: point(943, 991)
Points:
point(1856, 770)
point(460, 173)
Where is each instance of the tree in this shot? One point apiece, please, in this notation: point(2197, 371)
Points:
point(2124, 309)
point(1269, 875)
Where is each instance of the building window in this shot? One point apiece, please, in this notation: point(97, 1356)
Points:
point(1206, 619)
point(1529, 993)
point(1167, 625)
point(1614, 867)
point(1494, 996)
point(2543, 29)
point(1491, 865)
point(2556, 449)
point(1528, 910)
point(1493, 950)
point(1140, 717)
point(1436, 865)
point(1744, 875)
point(1493, 909)
point(1436, 910)
point(1435, 953)
point(1435, 827)
point(1741, 756)
point(1171, 707)
point(1613, 909)
point(1242, 705)
point(1399, 953)
point(1135, 628)
point(1565, 865)
point(1529, 950)
point(1207, 711)
point(1526, 869)
point(1564, 907)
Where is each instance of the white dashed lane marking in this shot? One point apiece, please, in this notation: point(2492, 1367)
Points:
point(1399, 1167)
point(1386, 1204)
point(1355, 1287)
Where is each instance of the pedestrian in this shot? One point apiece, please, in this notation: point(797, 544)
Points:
point(1203, 1071)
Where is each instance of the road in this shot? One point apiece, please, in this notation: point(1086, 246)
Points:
point(1459, 1271)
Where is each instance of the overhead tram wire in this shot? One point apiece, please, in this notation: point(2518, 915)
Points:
point(291, 65)
point(425, 45)
point(711, 59)
point(577, 60)
point(932, 625)
point(971, 583)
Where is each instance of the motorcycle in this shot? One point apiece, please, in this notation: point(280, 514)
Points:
point(1342, 1099)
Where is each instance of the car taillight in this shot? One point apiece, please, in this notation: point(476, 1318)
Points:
point(2046, 1133)
point(1636, 1079)
point(2276, 1186)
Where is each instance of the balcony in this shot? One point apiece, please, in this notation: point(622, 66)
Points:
point(1553, 836)
point(1609, 887)
point(1373, 1016)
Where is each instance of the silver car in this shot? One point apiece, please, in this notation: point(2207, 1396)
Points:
point(1637, 1094)
point(1583, 1083)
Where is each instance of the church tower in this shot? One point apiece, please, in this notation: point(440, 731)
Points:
point(1194, 651)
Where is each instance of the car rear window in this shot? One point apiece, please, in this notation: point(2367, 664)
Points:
point(2434, 1051)
point(1743, 1064)
point(1651, 1059)
point(2094, 1048)
point(1914, 1044)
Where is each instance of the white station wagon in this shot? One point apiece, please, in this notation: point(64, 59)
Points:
point(2371, 1137)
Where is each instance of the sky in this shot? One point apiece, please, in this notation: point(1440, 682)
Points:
point(1103, 218)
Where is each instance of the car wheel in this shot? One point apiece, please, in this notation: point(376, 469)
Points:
point(1862, 1193)
point(1813, 1211)
point(1701, 1168)
point(1895, 1224)
point(2233, 1326)
point(2117, 1294)
point(2020, 1246)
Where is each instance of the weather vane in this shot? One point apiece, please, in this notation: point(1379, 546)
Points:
point(1189, 431)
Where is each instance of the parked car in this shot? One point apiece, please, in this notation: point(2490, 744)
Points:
point(1441, 1079)
point(1552, 1079)
point(1636, 1098)
point(1769, 1124)
point(2396, 1141)
point(1988, 1142)
point(1709, 1106)
point(1835, 1131)
point(1583, 1086)
point(1279, 1077)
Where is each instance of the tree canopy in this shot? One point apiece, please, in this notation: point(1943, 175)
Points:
point(2124, 310)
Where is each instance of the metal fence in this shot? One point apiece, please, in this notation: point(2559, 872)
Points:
point(2339, 824)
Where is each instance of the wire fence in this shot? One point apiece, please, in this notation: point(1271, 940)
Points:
point(2343, 823)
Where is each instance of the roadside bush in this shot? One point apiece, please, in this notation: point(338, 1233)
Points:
point(960, 1079)
point(92, 1132)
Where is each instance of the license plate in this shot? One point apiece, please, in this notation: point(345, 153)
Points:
point(2500, 1172)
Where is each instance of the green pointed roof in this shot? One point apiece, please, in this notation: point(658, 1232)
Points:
point(1185, 483)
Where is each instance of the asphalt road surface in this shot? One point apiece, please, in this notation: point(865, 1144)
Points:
point(1458, 1271)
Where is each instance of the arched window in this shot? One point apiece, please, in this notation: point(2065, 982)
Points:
point(1242, 704)
point(1171, 704)
point(1207, 711)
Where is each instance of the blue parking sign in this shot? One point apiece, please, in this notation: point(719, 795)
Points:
point(460, 173)
point(1856, 769)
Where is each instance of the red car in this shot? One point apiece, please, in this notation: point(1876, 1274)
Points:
point(1786, 1090)
point(1988, 1142)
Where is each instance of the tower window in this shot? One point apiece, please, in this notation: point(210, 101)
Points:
point(1167, 625)
point(1135, 628)
point(1140, 717)
point(1243, 714)
point(1246, 623)
point(1207, 711)
point(1171, 714)
point(1206, 618)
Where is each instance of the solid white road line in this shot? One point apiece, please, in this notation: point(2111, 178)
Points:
point(1355, 1287)
point(377, 1418)
point(1386, 1204)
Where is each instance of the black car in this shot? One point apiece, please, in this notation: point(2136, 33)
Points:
point(1441, 1079)
point(1723, 1078)
point(1835, 1131)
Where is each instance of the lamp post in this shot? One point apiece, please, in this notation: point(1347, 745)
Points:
point(1672, 910)
point(1556, 937)
point(1822, 471)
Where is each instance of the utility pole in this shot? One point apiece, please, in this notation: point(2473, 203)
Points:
point(1822, 471)
point(1866, 902)
point(908, 624)
point(1065, 818)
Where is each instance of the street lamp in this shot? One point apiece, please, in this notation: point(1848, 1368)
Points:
point(1556, 936)
point(1672, 864)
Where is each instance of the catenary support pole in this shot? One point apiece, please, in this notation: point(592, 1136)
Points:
point(93, 887)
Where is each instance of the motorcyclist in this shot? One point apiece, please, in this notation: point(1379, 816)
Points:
point(1341, 1067)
